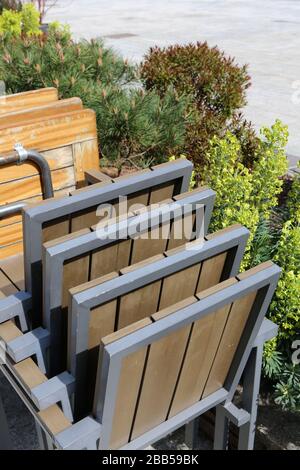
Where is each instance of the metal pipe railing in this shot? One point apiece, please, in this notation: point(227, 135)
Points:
point(22, 155)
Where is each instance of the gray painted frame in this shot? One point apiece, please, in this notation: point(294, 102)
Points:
point(81, 303)
point(34, 217)
point(264, 282)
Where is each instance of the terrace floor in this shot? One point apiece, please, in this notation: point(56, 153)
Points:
point(265, 35)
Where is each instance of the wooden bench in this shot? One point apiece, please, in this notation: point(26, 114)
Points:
point(66, 136)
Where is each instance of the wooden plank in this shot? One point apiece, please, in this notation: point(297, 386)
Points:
point(138, 304)
point(211, 271)
point(101, 323)
point(203, 344)
point(59, 131)
point(181, 231)
point(59, 158)
point(11, 234)
point(85, 218)
point(6, 286)
point(54, 419)
point(95, 176)
point(9, 331)
point(111, 258)
point(179, 286)
point(2, 295)
point(38, 113)
point(235, 325)
point(173, 308)
point(29, 374)
point(13, 267)
point(150, 244)
point(27, 99)
point(137, 200)
point(55, 228)
point(162, 369)
point(30, 187)
point(11, 250)
point(164, 191)
point(255, 270)
point(75, 272)
point(86, 157)
point(128, 386)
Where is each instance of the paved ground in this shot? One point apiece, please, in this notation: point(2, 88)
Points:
point(264, 34)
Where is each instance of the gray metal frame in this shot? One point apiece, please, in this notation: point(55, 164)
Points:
point(54, 257)
point(35, 217)
point(80, 304)
point(264, 282)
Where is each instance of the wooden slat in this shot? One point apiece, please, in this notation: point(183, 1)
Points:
point(75, 127)
point(27, 99)
point(2, 295)
point(236, 322)
point(75, 272)
point(54, 419)
point(83, 219)
point(57, 159)
point(112, 258)
point(211, 271)
point(36, 114)
point(11, 250)
point(13, 267)
point(138, 304)
point(138, 199)
point(142, 302)
point(128, 387)
point(95, 176)
point(203, 344)
point(29, 373)
point(55, 229)
point(150, 244)
point(6, 285)
point(179, 286)
point(181, 231)
point(9, 331)
point(163, 366)
point(30, 187)
point(86, 157)
point(161, 193)
point(173, 308)
point(11, 234)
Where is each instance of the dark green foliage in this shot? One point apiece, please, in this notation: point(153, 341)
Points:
point(216, 84)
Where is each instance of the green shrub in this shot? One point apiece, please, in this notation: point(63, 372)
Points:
point(135, 126)
point(11, 23)
point(217, 87)
point(245, 195)
point(30, 20)
point(17, 22)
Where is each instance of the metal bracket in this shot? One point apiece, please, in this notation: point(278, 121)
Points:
point(16, 305)
point(33, 343)
point(22, 153)
point(55, 390)
point(82, 435)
